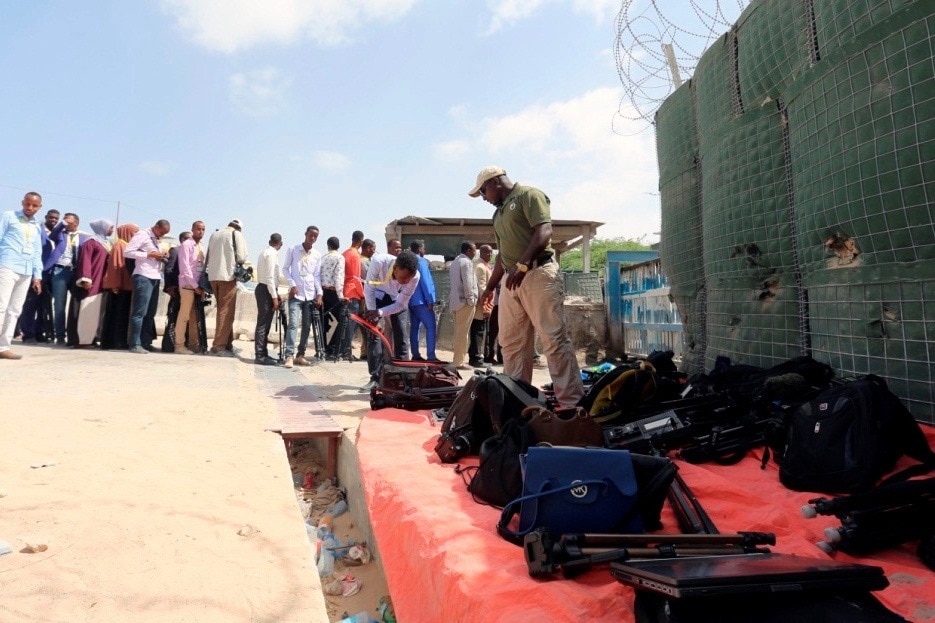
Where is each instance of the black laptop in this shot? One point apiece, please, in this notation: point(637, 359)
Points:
point(707, 576)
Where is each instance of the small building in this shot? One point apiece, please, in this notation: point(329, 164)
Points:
point(443, 236)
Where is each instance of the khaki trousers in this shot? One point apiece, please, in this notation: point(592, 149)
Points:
point(536, 307)
point(225, 297)
point(462, 318)
point(186, 318)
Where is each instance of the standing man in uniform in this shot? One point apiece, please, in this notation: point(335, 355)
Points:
point(20, 266)
point(532, 299)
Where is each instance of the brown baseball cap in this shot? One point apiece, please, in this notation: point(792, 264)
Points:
point(487, 173)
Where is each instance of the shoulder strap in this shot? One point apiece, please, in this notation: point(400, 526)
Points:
point(515, 389)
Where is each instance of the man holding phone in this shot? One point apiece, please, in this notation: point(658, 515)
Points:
point(144, 248)
point(20, 265)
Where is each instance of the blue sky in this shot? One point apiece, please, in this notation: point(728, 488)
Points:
point(344, 114)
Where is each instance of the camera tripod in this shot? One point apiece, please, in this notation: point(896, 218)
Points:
point(578, 553)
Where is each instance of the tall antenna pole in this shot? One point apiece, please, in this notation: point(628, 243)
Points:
point(117, 220)
point(673, 66)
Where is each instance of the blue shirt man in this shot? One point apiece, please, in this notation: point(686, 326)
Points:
point(422, 307)
point(20, 265)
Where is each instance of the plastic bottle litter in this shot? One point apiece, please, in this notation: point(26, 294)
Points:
point(360, 617)
point(385, 608)
point(338, 509)
point(325, 562)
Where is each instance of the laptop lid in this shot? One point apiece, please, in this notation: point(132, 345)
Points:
point(746, 573)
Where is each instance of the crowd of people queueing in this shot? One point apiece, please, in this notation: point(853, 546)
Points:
point(64, 287)
point(97, 290)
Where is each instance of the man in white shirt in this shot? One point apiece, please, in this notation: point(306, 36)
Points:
point(267, 298)
point(144, 248)
point(302, 270)
point(334, 305)
point(388, 287)
point(462, 297)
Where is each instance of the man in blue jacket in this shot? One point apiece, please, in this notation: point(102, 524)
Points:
point(36, 319)
point(422, 307)
point(61, 265)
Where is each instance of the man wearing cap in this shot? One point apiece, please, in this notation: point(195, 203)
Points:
point(226, 249)
point(533, 297)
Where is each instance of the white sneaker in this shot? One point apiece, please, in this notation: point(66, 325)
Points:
point(289, 363)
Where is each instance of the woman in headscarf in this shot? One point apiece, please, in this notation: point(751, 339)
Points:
point(92, 266)
point(118, 286)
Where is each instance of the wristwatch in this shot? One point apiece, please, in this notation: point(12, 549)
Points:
point(522, 267)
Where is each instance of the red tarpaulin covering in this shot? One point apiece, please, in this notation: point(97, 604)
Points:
point(445, 563)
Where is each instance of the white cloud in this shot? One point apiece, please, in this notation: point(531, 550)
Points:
point(509, 12)
point(331, 161)
point(154, 167)
point(232, 25)
point(570, 150)
point(259, 93)
point(451, 150)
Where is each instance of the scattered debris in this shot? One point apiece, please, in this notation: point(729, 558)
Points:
point(247, 531)
point(39, 465)
point(5, 548)
point(34, 548)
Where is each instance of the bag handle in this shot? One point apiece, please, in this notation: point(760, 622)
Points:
point(516, 537)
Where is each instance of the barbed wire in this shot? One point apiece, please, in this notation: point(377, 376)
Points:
point(642, 29)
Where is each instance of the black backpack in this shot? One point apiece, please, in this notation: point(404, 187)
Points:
point(500, 398)
point(479, 411)
point(456, 439)
point(849, 436)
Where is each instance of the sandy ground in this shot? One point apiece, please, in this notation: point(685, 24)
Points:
point(157, 493)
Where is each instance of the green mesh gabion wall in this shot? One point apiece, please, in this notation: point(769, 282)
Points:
point(861, 136)
point(838, 22)
point(815, 136)
point(680, 189)
point(773, 49)
point(747, 238)
point(752, 321)
point(715, 85)
point(746, 213)
point(879, 319)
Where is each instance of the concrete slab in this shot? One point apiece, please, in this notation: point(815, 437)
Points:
point(155, 488)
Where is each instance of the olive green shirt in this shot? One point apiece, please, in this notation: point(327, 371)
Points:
point(516, 218)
